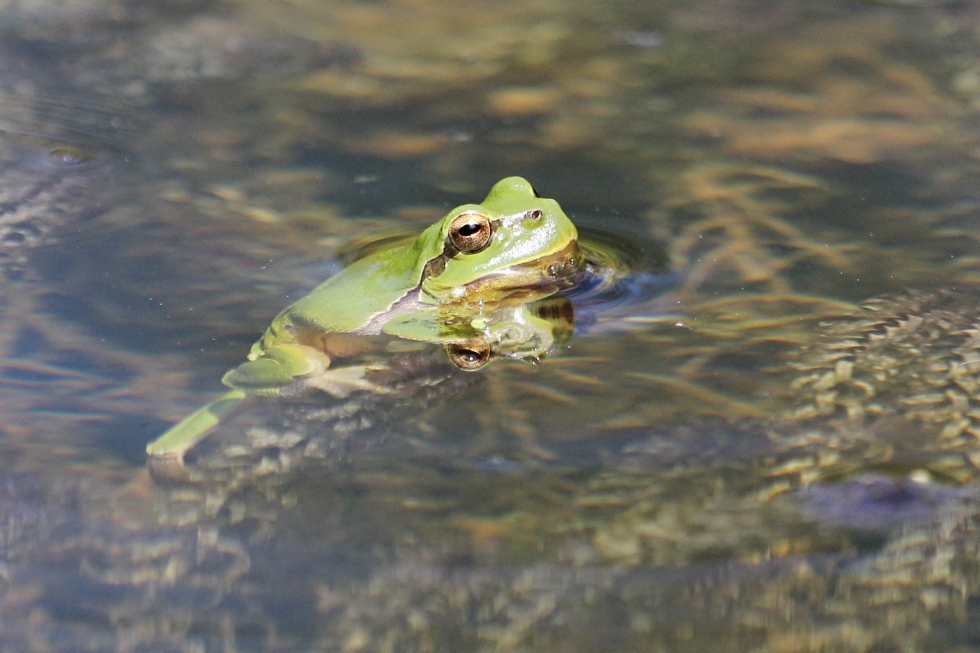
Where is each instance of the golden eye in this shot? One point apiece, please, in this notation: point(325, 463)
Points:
point(470, 232)
point(469, 356)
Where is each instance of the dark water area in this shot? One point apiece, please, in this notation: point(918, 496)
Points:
point(763, 437)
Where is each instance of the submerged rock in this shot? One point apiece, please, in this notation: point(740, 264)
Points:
point(874, 502)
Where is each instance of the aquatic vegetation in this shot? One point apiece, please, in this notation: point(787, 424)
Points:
point(819, 97)
point(734, 235)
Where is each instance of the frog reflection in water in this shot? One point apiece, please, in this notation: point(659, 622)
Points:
point(469, 278)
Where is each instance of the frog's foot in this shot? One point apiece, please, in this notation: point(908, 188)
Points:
point(342, 381)
point(277, 368)
point(287, 370)
point(190, 430)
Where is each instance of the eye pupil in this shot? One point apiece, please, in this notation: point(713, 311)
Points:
point(469, 229)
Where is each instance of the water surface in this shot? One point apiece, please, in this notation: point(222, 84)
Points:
point(696, 470)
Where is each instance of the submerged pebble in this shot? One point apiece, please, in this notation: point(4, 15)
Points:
point(877, 503)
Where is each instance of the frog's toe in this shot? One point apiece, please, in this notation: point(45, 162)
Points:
point(277, 367)
point(189, 431)
point(168, 470)
point(257, 375)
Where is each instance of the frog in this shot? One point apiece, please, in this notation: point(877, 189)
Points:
point(514, 247)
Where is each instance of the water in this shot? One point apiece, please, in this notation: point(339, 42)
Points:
point(703, 467)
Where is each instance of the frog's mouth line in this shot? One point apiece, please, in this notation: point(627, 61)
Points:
point(541, 277)
point(555, 271)
point(557, 268)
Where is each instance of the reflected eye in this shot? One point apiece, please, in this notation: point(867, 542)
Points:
point(470, 232)
point(469, 356)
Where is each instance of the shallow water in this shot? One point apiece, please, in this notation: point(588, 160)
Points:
point(678, 477)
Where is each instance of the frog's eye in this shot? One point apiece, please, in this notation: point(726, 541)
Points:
point(470, 232)
point(469, 356)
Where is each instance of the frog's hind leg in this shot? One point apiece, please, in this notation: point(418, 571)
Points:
point(181, 437)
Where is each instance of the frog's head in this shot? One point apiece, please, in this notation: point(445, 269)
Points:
point(513, 239)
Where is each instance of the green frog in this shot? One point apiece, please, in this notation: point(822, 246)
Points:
point(464, 279)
